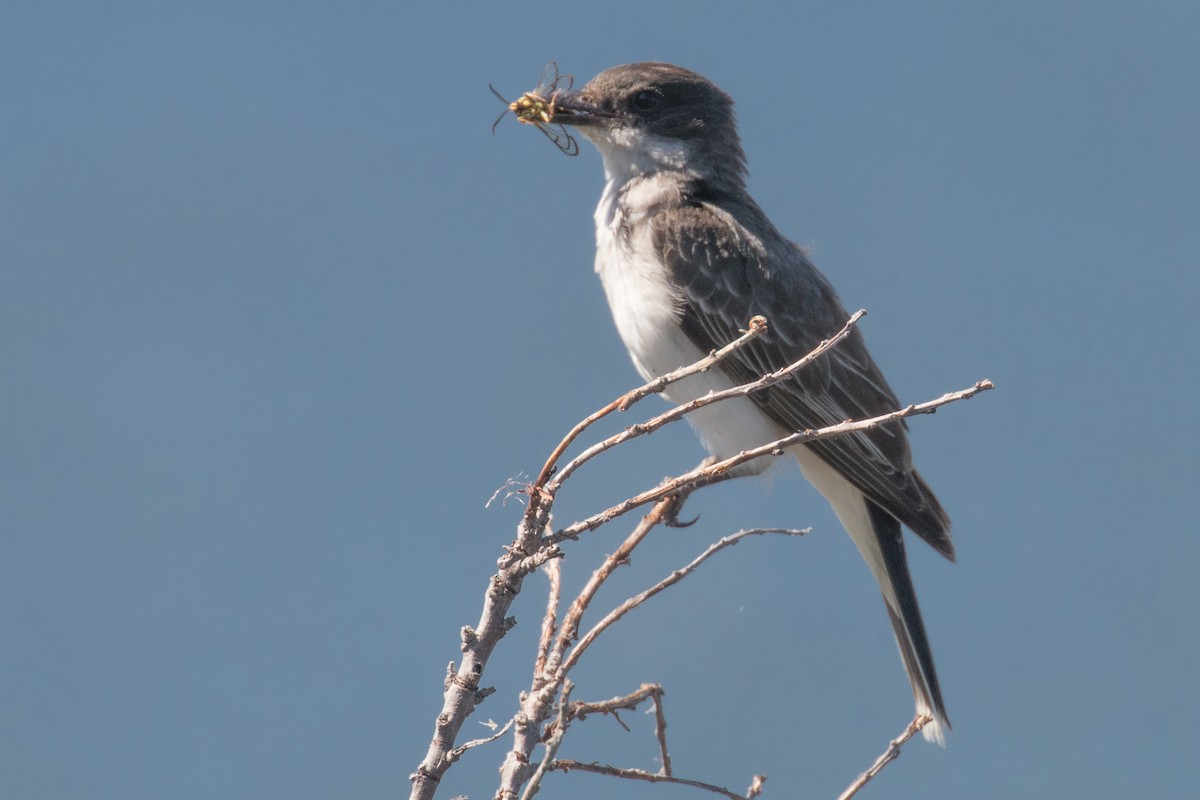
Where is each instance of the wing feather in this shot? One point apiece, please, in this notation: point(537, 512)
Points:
point(730, 268)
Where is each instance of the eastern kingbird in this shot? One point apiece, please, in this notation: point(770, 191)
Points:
point(687, 258)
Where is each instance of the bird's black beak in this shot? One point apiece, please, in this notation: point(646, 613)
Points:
point(574, 108)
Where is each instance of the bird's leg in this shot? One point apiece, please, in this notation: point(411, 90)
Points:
point(670, 517)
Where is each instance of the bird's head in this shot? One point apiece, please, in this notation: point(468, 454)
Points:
point(654, 117)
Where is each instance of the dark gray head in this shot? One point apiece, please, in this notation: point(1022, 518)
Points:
point(655, 117)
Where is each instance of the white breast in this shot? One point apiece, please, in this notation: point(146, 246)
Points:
point(646, 310)
point(644, 306)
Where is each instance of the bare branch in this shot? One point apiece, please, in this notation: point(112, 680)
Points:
point(708, 474)
point(660, 731)
point(535, 705)
point(537, 545)
point(570, 626)
point(630, 702)
point(757, 326)
point(678, 412)
point(462, 686)
point(456, 753)
point(552, 744)
point(672, 579)
point(553, 571)
point(566, 765)
point(889, 755)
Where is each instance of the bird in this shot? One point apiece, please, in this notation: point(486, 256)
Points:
point(686, 258)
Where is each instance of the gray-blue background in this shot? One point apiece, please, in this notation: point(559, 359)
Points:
point(278, 315)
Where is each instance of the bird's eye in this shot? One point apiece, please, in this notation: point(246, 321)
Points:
point(645, 101)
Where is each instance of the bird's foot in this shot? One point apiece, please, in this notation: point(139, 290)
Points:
point(670, 516)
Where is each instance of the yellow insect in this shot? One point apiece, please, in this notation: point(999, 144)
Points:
point(536, 108)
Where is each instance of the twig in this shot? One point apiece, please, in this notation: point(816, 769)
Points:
point(660, 731)
point(549, 621)
point(552, 744)
point(718, 471)
point(535, 705)
point(675, 577)
point(889, 755)
point(462, 687)
point(756, 327)
point(566, 765)
point(630, 702)
point(582, 709)
point(456, 753)
point(512, 487)
point(678, 412)
point(570, 627)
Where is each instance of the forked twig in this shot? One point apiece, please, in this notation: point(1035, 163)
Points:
point(757, 326)
point(580, 710)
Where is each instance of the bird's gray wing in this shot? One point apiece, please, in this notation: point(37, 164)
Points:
point(728, 270)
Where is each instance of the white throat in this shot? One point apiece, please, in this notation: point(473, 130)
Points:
point(631, 152)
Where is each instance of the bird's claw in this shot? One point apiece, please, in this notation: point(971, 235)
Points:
point(670, 516)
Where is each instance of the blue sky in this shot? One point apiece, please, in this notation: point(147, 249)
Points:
point(278, 315)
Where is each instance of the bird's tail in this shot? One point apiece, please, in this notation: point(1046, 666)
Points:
point(878, 537)
point(901, 600)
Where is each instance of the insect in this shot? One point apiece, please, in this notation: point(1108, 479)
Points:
point(536, 108)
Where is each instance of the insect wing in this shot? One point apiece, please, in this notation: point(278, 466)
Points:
point(551, 81)
point(558, 134)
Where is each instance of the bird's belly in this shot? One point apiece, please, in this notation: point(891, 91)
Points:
point(646, 311)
